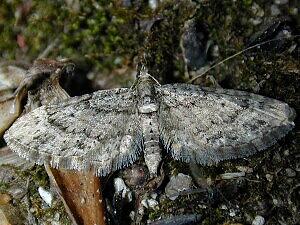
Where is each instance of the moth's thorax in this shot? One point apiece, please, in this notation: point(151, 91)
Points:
point(147, 97)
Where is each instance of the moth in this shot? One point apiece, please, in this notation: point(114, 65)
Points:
point(110, 129)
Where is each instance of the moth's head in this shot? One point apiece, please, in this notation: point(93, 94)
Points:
point(142, 72)
point(144, 76)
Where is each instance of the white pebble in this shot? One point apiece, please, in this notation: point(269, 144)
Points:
point(149, 203)
point(46, 196)
point(232, 213)
point(258, 220)
point(120, 186)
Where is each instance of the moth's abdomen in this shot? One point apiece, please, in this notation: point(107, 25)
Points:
point(152, 151)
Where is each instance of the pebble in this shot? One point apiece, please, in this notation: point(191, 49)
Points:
point(286, 152)
point(228, 176)
point(245, 169)
point(149, 203)
point(256, 21)
point(126, 3)
point(275, 11)
point(281, 2)
point(294, 11)
point(257, 10)
point(46, 196)
point(195, 45)
point(153, 4)
point(275, 201)
point(232, 213)
point(177, 184)
point(136, 176)
point(17, 192)
point(290, 172)
point(120, 187)
point(178, 220)
point(258, 220)
point(56, 216)
point(269, 177)
point(224, 207)
point(153, 195)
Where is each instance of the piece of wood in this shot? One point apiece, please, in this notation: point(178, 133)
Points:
point(81, 194)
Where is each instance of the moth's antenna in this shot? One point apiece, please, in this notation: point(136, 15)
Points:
point(144, 70)
point(141, 68)
point(238, 53)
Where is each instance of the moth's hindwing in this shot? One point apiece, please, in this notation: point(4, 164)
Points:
point(100, 130)
point(208, 125)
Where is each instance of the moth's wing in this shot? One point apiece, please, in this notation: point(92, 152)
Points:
point(8, 157)
point(207, 125)
point(100, 130)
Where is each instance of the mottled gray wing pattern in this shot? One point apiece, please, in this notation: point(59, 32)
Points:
point(100, 130)
point(207, 125)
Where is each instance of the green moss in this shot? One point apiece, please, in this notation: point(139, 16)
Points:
point(4, 186)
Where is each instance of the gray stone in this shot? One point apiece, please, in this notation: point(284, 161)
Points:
point(275, 11)
point(281, 2)
point(120, 187)
point(258, 220)
point(290, 172)
point(177, 184)
point(149, 203)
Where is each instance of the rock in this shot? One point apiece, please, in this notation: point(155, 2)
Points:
point(194, 44)
point(121, 188)
point(136, 176)
point(281, 2)
point(232, 213)
point(255, 21)
point(290, 172)
point(119, 185)
point(215, 51)
point(245, 169)
point(149, 203)
point(275, 11)
point(178, 184)
point(126, 3)
point(153, 195)
point(294, 11)
point(153, 4)
point(178, 220)
point(269, 177)
point(224, 207)
point(46, 195)
point(258, 220)
point(257, 10)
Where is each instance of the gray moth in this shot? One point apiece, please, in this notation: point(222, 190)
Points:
point(110, 129)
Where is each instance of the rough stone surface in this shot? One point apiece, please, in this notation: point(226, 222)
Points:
point(258, 220)
point(178, 183)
